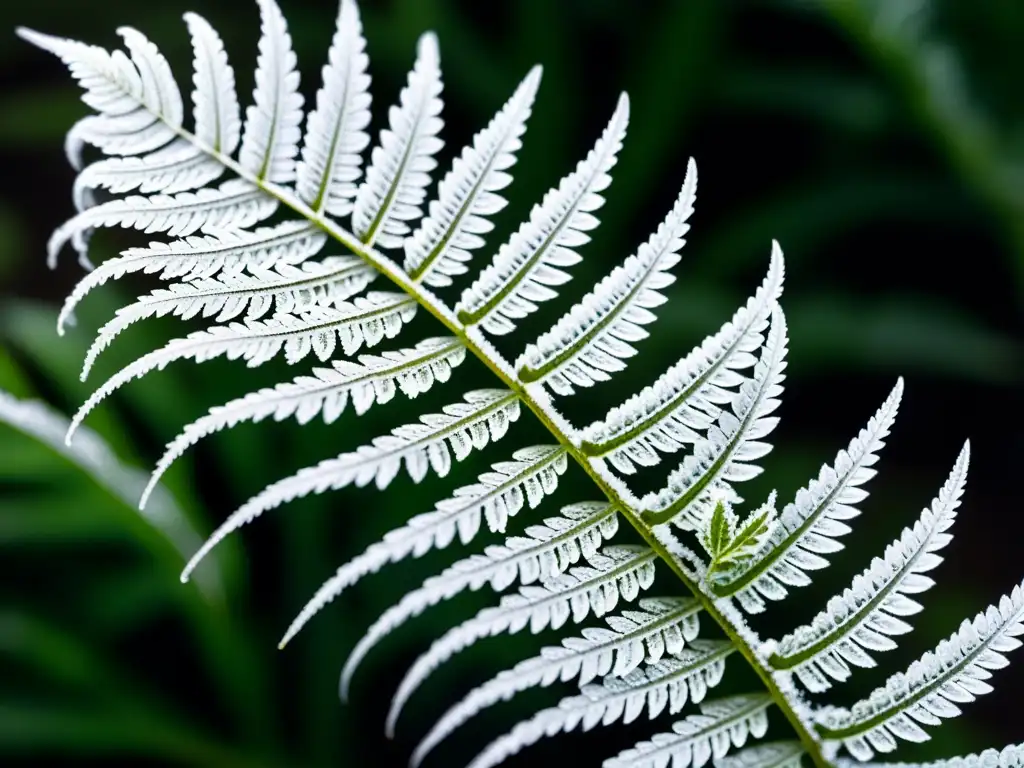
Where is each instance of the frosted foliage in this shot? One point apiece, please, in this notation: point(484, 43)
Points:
point(721, 725)
point(777, 754)
point(616, 572)
point(284, 288)
point(400, 166)
point(594, 339)
point(670, 414)
point(531, 475)
point(374, 379)
point(933, 687)
point(270, 142)
point(1011, 756)
point(733, 442)
point(664, 685)
point(468, 194)
point(429, 444)
point(866, 616)
point(215, 101)
point(807, 529)
point(545, 552)
point(318, 330)
point(661, 627)
point(336, 130)
point(530, 265)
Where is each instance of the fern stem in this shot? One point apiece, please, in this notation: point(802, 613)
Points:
point(500, 367)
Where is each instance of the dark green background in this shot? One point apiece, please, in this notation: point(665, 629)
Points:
point(879, 140)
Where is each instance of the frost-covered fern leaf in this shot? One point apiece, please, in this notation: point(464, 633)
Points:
point(531, 475)
point(545, 552)
point(776, 754)
point(732, 543)
point(807, 529)
point(687, 398)
point(336, 131)
point(667, 684)
point(484, 416)
point(733, 442)
point(869, 612)
point(400, 166)
point(1011, 756)
point(933, 687)
point(287, 289)
point(320, 330)
point(721, 725)
point(203, 256)
point(440, 248)
point(594, 339)
point(527, 267)
point(617, 572)
point(374, 379)
point(661, 626)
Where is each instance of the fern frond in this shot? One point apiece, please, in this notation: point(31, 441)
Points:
point(933, 686)
point(594, 339)
point(440, 248)
point(721, 725)
point(270, 142)
point(865, 616)
point(669, 683)
point(546, 551)
point(667, 415)
point(374, 379)
point(776, 754)
point(615, 572)
point(661, 626)
point(400, 166)
point(285, 288)
point(215, 100)
point(483, 417)
point(236, 204)
point(331, 164)
point(530, 262)
point(730, 543)
point(1011, 756)
point(366, 320)
point(203, 256)
point(808, 527)
point(497, 495)
point(733, 441)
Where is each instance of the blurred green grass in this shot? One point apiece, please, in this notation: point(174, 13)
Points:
point(879, 140)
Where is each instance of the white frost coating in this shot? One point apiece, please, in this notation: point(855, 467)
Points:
point(215, 101)
point(931, 689)
point(532, 474)
point(179, 167)
point(93, 455)
point(615, 572)
point(869, 612)
point(594, 339)
point(336, 131)
point(545, 552)
point(319, 330)
point(721, 725)
point(775, 754)
point(1010, 756)
point(530, 263)
point(667, 684)
point(374, 379)
point(203, 256)
point(400, 166)
point(688, 397)
point(468, 194)
point(807, 528)
point(732, 443)
point(272, 123)
point(284, 288)
point(236, 204)
point(661, 626)
point(483, 417)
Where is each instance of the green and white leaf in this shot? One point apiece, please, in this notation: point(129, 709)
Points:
point(730, 543)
